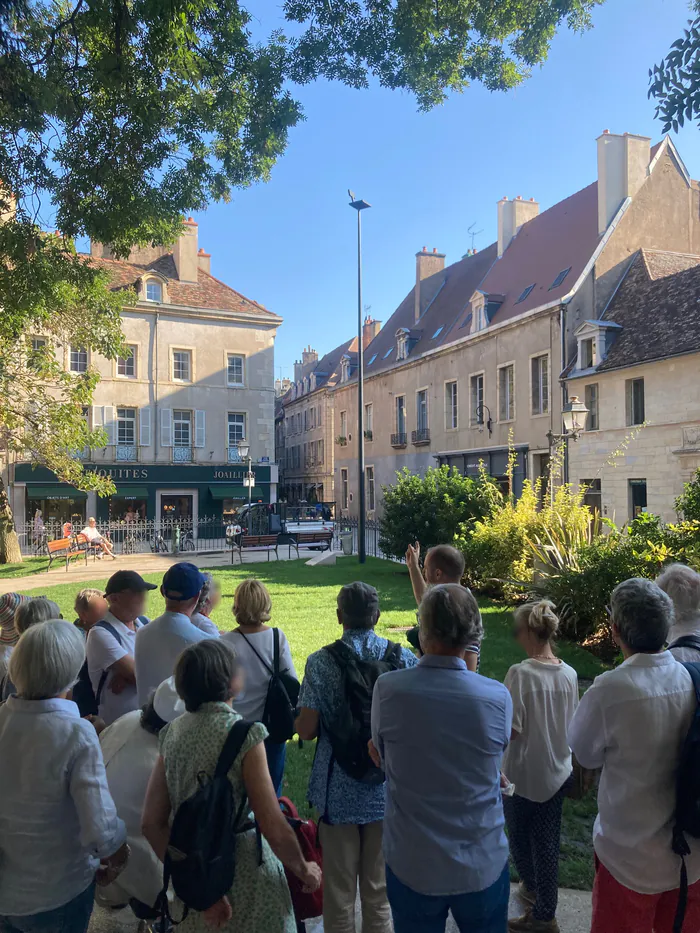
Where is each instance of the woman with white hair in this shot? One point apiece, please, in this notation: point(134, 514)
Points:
point(682, 584)
point(58, 823)
point(209, 599)
point(27, 614)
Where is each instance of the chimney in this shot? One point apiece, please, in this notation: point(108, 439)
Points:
point(370, 329)
point(623, 165)
point(204, 260)
point(427, 264)
point(309, 357)
point(511, 216)
point(185, 252)
point(297, 370)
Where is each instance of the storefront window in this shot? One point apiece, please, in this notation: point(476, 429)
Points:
point(127, 510)
point(174, 508)
point(58, 511)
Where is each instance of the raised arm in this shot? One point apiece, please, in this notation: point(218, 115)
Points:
point(417, 580)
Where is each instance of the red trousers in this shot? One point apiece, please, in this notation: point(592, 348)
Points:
point(616, 909)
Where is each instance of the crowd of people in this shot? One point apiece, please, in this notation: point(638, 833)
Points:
point(427, 779)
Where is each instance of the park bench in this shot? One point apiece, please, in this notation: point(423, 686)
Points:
point(86, 546)
point(64, 548)
point(254, 543)
point(322, 540)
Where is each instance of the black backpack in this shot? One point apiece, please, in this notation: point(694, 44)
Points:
point(200, 860)
point(351, 729)
point(687, 819)
point(687, 641)
point(282, 694)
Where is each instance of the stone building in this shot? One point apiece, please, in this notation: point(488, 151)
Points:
point(637, 369)
point(471, 359)
point(197, 381)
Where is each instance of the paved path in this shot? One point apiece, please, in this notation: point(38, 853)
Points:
point(574, 916)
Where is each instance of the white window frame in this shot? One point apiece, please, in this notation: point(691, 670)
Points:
point(134, 356)
point(240, 356)
point(474, 403)
point(344, 488)
point(397, 399)
point(189, 421)
point(451, 405)
point(510, 412)
point(594, 340)
point(426, 426)
point(369, 417)
point(156, 284)
point(543, 408)
point(370, 488)
point(173, 377)
point(119, 420)
point(78, 351)
point(596, 386)
point(630, 420)
point(343, 424)
point(240, 414)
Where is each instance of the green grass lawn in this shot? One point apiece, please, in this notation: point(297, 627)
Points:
point(303, 600)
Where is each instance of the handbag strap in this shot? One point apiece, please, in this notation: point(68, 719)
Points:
point(257, 654)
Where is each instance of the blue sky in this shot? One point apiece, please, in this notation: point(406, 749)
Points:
point(290, 243)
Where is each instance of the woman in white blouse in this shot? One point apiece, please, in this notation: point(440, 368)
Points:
point(253, 642)
point(59, 829)
point(538, 763)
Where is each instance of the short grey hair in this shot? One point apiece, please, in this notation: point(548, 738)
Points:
point(47, 660)
point(449, 614)
point(207, 591)
point(358, 604)
point(643, 614)
point(38, 609)
point(682, 584)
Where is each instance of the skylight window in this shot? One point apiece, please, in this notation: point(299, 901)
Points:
point(374, 357)
point(388, 353)
point(437, 332)
point(524, 294)
point(560, 278)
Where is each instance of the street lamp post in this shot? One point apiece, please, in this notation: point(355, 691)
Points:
point(359, 205)
point(573, 416)
point(244, 454)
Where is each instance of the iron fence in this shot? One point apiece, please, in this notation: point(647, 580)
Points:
point(349, 526)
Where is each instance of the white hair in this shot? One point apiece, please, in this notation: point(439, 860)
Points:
point(36, 609)
point(47, 660)
point(682, 584)
point(206, 593)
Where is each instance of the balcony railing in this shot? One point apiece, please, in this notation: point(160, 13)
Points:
point(233, 455)
point(420, 437)
point(398, 440)
point(368, 435)
point(341, 440)
point(126, 452)
point(183, 454)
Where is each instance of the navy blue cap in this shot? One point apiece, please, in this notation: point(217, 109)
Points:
point(183, 581)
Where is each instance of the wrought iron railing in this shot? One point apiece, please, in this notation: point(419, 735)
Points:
point(398, 440)
point(421, 436)
point(183, 454)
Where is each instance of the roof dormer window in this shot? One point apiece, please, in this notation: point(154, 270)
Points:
point(594, 339)
point(401, 343)
point(305, 388)
point(312, 382)
point(345, 369)
point(154, 291)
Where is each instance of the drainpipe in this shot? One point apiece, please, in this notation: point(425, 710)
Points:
point(156, 422)
point(562, 336)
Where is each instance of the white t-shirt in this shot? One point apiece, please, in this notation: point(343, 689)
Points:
point(103, 650)
point(681, 628)
point(205, 624)
point(130, 754)
point(158, 647)
point(545, 697)
point(92, 534)
point(251, 703)
point(632, 723)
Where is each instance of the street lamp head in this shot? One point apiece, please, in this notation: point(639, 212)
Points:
point(357, 203)
point(574, 416)
point(243, 450)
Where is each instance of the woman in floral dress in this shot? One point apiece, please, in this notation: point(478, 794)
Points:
point(207, 677)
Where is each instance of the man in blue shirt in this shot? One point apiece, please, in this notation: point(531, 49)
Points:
point(440, 732)
point(352, 810)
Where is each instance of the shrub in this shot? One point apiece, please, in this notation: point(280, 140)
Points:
point(431, 508)
point(688, 503)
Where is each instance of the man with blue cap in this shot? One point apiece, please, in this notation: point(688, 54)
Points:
point(160, 643)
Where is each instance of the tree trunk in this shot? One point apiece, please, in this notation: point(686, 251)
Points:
point(10, 552)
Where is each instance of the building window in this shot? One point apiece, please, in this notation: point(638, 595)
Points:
point(154, 291)
point(540, 384)
point(369, 488)
point(592, 496)
point(182, 428)
point(369, 421)
point(306, 456)
point(476, 390)
point(78, 360)
point(312, 418)
point(319, 420)
point(401, 345)
point(343, 489)
point(588, 350)
point(637, 497)
point(236, 428)
point(126, 434)
point(306, 420)
point(401, 414)
point(450, 405)
point(506, 393)
point(234, 370)
point(422, 410)
point(560, 278)
point(126, 365)
point(524, 294)
point(344, 424)
point(591, 400)
point(38, 346)
point(634, 390)
point(319, 453)
point(182, 365)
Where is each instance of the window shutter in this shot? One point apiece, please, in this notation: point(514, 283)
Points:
point(97, 417)
point(199, 428)
point(108, 423)
point(145, 426)
point(166, 427)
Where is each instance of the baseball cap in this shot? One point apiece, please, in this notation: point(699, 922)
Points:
point(127, 580)
point(166, 702)
point(183, 581)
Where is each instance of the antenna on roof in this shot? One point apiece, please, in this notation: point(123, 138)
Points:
point(473, 234)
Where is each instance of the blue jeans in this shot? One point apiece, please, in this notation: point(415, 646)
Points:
point(73, 917)
point(479, 912)
point(276, 755)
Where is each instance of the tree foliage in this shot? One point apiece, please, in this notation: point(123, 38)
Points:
point(688, 503)
point(675, 82)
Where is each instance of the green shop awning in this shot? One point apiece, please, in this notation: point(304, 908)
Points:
point(55, 492)
point(234, 492)
point(131, 492)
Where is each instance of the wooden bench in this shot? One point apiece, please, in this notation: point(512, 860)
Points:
point(254, 543)
point(311, 539)
point(84, 544)
point(64, 548)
